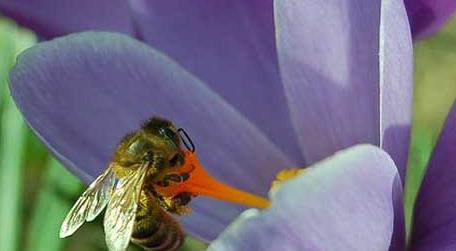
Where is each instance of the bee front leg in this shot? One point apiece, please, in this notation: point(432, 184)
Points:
point(173, 178)
point(178, 204)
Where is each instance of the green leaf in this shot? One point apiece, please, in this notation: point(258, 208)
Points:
point(193, 244)
point(53, 203)
point(435, 91)
point(13, 132)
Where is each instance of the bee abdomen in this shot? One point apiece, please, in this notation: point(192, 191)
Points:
point(160, 237)
point(154, 228)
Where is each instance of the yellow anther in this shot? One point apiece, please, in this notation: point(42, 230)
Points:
point(286, 174)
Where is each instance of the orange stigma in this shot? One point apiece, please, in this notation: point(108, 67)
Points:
point(200, 182)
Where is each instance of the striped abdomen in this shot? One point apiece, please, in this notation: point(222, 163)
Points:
point(154, 228)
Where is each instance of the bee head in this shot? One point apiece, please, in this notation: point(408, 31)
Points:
point(163, 129)
point(167, 139)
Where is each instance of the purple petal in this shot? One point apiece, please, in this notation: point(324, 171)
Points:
point(81, 93)
point(428, 16)
point(396, 82)
point(51, 18)
point(345, 202)
point(333, 76)
point(398, 238)
point(229, 44)
point(434, 223)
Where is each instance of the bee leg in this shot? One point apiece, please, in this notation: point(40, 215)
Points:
point(184, 176)
point(182, 199)
point(173, 177)
point(169, 178)
point(178, 203)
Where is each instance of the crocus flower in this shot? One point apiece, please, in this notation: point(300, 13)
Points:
point(320, 211)
point(427, 16)
point(435, 208)
point(51, 18)
point(267, 90)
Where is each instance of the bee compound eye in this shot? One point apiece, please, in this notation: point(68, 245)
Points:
point(170, 134)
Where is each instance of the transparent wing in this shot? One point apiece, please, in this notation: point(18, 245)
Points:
point(90, 203)
point(121, 211)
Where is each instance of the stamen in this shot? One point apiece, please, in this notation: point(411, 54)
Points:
point(201, 183)
point(286, 174)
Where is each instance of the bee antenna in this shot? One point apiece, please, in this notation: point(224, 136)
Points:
point(186, 140)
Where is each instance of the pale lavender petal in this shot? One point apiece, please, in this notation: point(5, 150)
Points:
point(51, 18)
point(329, 59)
point(230, 45)
point(428, 16)
point(434, 223)
point(396, 82)
point(81, 93)
point(345, 202)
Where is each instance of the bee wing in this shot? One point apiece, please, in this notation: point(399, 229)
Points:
point(121, 211)
point(90, 203)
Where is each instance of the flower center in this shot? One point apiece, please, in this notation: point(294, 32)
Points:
point(197, 181)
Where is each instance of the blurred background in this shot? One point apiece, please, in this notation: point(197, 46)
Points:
point(36, 191)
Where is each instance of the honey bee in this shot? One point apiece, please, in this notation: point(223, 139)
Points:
point(149, 158)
